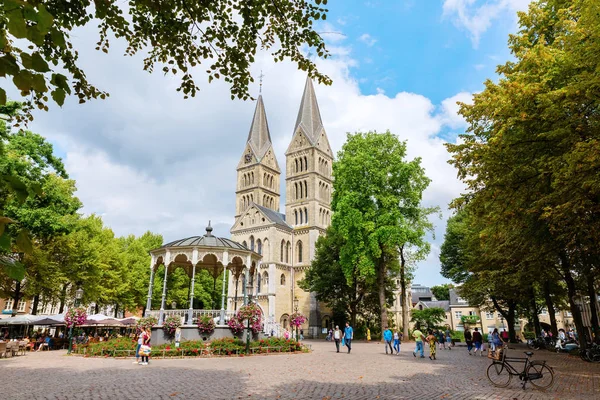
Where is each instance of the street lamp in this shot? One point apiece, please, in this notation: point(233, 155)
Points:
point(249, 291)
point(78, 296)
point(296, 301)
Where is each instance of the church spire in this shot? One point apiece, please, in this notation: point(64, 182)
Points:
point(309, 117)
point(259, 137)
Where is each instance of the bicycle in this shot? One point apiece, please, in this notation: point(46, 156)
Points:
point(538, 373)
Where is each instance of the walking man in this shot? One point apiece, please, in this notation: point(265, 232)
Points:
point(477, 339)
point(469, 340)
point(337, 337)
point(418, 335)
point(387, 337)
point(348, 336)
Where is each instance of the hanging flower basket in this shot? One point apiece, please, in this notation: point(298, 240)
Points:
point(147, 322)
point(75, 317)
point(297, 320)
point(171, 324)
point(250, 312)
point(206, 325)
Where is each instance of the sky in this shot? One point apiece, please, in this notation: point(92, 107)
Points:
point(146, 159)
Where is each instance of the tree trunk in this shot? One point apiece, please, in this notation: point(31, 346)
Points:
point(36, 303)
point(405, 325)
point(381, 273)
point(510, 320)
point(534, 314)
point(63, 298)
point(16, 298)
point(550, 308)
point(96, 309)
point(572, 293)
point(116, 310)
point(591, 292)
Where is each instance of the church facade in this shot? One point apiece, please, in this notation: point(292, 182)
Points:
point(285, 240)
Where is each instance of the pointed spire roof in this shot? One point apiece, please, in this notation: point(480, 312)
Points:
point(309, 117)
point(259, 137)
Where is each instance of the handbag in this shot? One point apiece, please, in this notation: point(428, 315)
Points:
point(145, 350)
point(343, 341)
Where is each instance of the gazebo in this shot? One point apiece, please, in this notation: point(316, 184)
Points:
point(192, 254)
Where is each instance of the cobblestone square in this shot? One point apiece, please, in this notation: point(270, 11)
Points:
point(366, 373)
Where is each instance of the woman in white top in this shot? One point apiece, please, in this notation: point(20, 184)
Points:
point(337, 337)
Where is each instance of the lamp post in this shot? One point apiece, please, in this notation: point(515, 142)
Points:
point(78, 296)
point(296, 312)
point(249, 292)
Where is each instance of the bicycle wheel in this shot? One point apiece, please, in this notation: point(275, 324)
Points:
point(540, 375)
point(498, 374)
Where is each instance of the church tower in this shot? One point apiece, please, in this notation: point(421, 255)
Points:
point(258, 171)
point(308, 174)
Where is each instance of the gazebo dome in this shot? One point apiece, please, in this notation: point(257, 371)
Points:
point(207, 240)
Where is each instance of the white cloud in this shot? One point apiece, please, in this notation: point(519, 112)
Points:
point(367, 39)
point(449, 110)
point(476, 17)
point(145, 159)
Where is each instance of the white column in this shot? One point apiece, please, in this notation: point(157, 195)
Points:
point(191, 310)
point(150, 285)
point(225, 262)
point(164, 292)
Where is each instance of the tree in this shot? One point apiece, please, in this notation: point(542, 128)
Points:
point(178, 35)
point(531, 153)
point(442, 292)
point(377, 207)
point(428, 317)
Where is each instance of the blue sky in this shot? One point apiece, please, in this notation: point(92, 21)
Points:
point(145, 159)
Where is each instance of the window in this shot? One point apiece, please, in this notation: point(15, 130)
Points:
point(544, 312)
point(281, 253)
point(259, 284)
point(489, 315)
point(282, 280)
point(259, 246)
point(9, 304)
point(299, 250)
point(305, 216)
point(458, 314)
point(287, 252)
point(568, 314)
point(21, 306)
point(266, 281)
point(252, 243)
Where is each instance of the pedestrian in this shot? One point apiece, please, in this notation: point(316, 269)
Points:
point(337, 337)
point(140, 341)
point(397, 336)
point(504, 336)
point(477, 339)
point(286, 334)
point(348, 336)
point(441, 339)
point(496, 340)
point(368, 335)
point(418, 336)
point(469, 340)
point(145, 349)
point(387, 337)
point(301, 334)
point(431, 340)
point(449, 339)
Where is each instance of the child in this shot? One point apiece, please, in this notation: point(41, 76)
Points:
point(431, 339)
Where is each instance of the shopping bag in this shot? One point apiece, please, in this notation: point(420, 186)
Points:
point(343, 341)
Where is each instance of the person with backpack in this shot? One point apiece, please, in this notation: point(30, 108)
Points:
point(477, 340)
point(337, 337)
point(387, 337)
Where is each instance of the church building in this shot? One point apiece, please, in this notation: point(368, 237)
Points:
point(286, 240)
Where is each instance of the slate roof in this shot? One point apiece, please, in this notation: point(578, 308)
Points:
point(309, 116)
point(274, 216)
point(445, 304)
point(207, 240)
point(259, 136)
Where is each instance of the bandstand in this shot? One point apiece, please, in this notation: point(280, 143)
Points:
point(193, 254)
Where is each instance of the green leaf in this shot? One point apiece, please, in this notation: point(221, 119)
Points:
point(59, 96)
point(8, 65)
point(34, 34)
point(23, 80)
point(26, 60)
point(5, 242)
point(45, 19)
point(39, 83)
point(60, 81)
point(24, 242)
point(38, 63)
point(2, 97)
point(16, 24)
point(58, 38)
point(14, 269)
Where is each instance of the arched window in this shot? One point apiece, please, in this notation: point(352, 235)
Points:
point(259, 246)
point(299, 250)
point(266, 249)
point(282, 280)
point(252, 243)
point(296, 164)
point(306, 216)
point(301, 190)
point(258, 290)
point(288, 247)
point(282, 250)
point(296, 217)
point(305, 163)
point(245, 244)
point(266, 281)
point(296, 190)
point(306, 189)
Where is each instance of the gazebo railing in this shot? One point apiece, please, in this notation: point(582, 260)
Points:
point(195, 314)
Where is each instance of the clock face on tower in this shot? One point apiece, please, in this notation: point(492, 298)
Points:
point(248, 158)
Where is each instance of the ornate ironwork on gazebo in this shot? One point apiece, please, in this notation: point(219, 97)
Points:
point(207, 252)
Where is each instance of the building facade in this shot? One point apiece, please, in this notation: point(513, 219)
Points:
point(286, 240)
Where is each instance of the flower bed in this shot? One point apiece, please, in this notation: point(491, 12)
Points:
point(125, 347)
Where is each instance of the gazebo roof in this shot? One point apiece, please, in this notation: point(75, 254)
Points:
point(207, 240)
